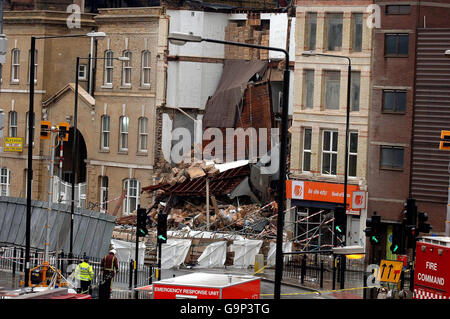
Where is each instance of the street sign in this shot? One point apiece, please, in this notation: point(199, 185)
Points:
point(13, 144)
point(359, 199)
point(390, 271)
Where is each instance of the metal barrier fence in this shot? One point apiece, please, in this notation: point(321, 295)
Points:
point(321, 271)
point(12, 259)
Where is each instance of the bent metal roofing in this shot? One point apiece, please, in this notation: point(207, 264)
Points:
point(221, 184)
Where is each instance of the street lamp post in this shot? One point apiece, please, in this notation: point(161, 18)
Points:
point(347, 133)
point(75, 143)
point(181, 39)
point(31, 139)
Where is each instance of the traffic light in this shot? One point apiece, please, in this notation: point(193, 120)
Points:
point(340, 220)
point(376, 229)
point(423, 227)
point(45, 130)
point(141, 223)
point(373, 229)
point(445, 140)
point(398, 241)
point(162, 229)
point(64, 131)
point(411, 212)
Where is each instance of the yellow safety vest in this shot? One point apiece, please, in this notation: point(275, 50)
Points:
point(84, 272)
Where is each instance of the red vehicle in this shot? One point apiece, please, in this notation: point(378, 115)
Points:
point(431, 274)
point(208, 286)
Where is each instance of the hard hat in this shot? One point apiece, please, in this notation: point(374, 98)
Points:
point(113, 251)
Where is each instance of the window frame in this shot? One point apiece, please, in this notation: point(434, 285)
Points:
point(354, 154)
point(305, 150)
point(128, 195)
point(35, 65)
point(329, 16)
point(145, 68)
point(398, 6)
point(395, 91)
point(309, 31)
point(352, 92)
point(27, 127)
point(108, 68)
point(15, 66)
point(123, 135)
point(392, 167)
point(142, 134)
point(306, 94)
point(83, 78)
point(11, 125)
point(127, 69)
point(326, 74)
point(354, 34)
point(6, 185)
point(104, 132)
point(104, 194)
point(397, 54)
point(331, 152)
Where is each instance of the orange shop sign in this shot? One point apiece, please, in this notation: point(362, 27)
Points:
point(321, 192)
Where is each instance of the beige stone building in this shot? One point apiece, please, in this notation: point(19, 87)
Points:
point(320, 95)
point(116, 123)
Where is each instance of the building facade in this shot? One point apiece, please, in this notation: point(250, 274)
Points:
point(115, 124)
point(320, 101)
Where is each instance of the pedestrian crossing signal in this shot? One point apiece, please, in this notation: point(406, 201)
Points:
point(445, 140)
point(64, 131)
point(45, 130)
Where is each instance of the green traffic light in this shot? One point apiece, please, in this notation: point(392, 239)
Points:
point(374, 239)
point(395, 248)
point(338, 228)
point(161, 237)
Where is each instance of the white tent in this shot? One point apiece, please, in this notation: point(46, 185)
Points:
point(174, 252)
point(245, 252)
point(125, 251)
point(287, 247)
point(213, 256)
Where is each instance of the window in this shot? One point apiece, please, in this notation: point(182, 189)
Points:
point(15, 65)
point(391, 157)
point(352, 154)
point(4, 181)
point(334, 27)
point(332, 89)
point(355, 91)
point(13, 124)
point(132, 195)
point(357, 26)
point(309, 89)
point(105, 132)
point(126, 69)
point(398, 9)
point(311, 25)
point(394, 101)
point(123, 143)
point(103, 194)
point(145, 76)
point(396, 44)
point(35, 65)
point(108, 78)
point(143, 134)
point(307, 136)
point(26, 133)
point(329, 152)
point(82, 72)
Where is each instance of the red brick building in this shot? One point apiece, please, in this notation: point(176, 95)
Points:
point(406, 112)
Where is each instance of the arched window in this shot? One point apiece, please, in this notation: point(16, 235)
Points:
point(123, 136)
point(143, 134)
point(126, 69)
point(13, 124)
point(15, 65)
point(105, 132)
point(145, 73)
point(108, 76)
point(131, 202)
point(35, 65)
point(104, 194)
